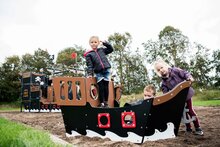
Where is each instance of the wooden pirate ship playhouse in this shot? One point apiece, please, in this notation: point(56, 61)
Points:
point(152, 119)
point(37, 93)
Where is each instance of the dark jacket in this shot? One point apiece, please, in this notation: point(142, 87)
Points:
point(96, 60)
point(176, 76)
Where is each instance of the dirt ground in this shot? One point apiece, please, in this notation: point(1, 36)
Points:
point(53, 122)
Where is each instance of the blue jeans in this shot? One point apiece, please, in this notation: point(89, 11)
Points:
point(105, 74)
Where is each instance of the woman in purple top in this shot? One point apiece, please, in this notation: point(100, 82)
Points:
point(171, 76)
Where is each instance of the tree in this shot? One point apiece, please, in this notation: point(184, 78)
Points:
point(119, 42)
point(27, 63)
point(152, 51)
point(71, 60)
point(42, 60)
point(9, 79)
point(173, 45)
point(136, 75)
point(200, 66)
point(127, 63)
point(216, 67)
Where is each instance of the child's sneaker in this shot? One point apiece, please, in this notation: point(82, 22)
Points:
point(188, 130)
point(199, 131)
point(101, 105)
point(106, 104)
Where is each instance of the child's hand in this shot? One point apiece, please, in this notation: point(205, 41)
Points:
point(190, 79)
point(104, 42)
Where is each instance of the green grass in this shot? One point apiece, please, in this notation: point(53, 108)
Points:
point(207, 95)
point(206, 98)
point(206, 103)
point(10, 106)
point(3, 108)
point(18, 135)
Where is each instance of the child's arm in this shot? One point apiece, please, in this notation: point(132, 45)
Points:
point(89, 66)
point(185, 75)
point(108, 49)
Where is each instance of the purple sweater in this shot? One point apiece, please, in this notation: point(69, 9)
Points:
point(176, 76)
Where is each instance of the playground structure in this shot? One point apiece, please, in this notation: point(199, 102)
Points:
point(77, 99)
point(37, 93)
point(153, 119)
point(41, 94)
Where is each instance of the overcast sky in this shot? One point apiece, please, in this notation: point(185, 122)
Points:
point(26, 25)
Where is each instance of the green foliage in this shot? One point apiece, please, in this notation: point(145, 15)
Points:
point(129, 66)
point(120, 42)
point(173, 45)
point(207, 94)
point(152, 51)
point(41, 60)
point(65, 56)
point(200, 66)
point(34, 63)
point(12, 134)
point(136, 74)
point(67, 62)
point(9, 79)
point(215, 63)
point(27, 63)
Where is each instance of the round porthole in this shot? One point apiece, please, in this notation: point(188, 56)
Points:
point(94, 92)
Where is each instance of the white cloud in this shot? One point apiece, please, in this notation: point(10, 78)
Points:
point(54, 24)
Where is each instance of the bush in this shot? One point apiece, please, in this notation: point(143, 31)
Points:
point(201, 94)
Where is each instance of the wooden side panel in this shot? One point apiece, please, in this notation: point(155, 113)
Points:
point(50, 93)
point(88, 88)
point(171, 94)
point(62, 93)
point(50, 97)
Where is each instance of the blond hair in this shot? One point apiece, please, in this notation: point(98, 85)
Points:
point(96, 37)
point(160, 61)
point(150, 88)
